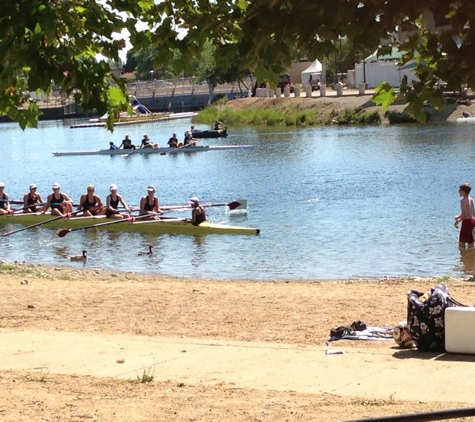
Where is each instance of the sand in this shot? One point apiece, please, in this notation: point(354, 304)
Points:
point(64, 300)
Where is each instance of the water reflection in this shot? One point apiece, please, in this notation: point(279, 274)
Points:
point(198, 252)
point(467, 257)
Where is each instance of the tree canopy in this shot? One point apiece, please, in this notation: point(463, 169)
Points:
point(47, 43)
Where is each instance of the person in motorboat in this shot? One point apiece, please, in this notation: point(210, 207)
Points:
point(127, 143)
point(173, 142)
point(217, 125)
point(112, 203)
point(198, 214)
point(4, 202)
point(149, 204)
point(146, 142)
point(112, 145)
point(465, 114)
point(60, 203)
point(90, 204)
point(32, 199)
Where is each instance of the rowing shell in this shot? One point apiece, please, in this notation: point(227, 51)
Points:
point(171, 225)
point(153, 150)
point(466, 119)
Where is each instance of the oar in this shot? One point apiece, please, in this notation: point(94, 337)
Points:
point(38, 224)
point(240, 204)
point(27, 207)
point(64, 232)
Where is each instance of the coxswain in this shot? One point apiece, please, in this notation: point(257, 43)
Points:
point(198, 214)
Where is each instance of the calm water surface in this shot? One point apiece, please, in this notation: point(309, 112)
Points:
point(330, 202)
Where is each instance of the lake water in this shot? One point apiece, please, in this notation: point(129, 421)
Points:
point(331, 202)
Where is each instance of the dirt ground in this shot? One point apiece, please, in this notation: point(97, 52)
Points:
point(35, 297)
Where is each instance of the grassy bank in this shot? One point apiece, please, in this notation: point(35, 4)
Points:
point(286, 113)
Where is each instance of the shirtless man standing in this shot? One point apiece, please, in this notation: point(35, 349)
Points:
point(466, 217)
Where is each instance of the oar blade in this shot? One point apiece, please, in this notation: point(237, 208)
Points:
point(63, 232)
point(240, 204)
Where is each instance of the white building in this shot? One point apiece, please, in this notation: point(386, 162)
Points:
point(375, 69)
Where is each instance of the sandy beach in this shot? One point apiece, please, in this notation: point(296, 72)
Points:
point(65, 301)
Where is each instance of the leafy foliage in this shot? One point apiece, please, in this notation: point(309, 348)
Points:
point(44, 43)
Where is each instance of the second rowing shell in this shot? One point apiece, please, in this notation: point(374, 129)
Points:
point(153, 150)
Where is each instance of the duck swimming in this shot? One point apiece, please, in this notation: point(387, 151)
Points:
point(82, 257)
point(149, 252)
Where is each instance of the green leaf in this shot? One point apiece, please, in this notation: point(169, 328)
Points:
point(384, 95)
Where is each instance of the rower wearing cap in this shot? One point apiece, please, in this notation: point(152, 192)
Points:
point(90, 204)
point(112, 203)
point(189, 139)
point(31, 200)
point(198, 214)
point(4, 202)
point(149, 204)
point(60, 203)
point(146, 142)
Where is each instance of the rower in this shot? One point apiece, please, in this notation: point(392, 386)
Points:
point(198, 214)
point(32, 199)
point(90, 204)
point(189, 140)
point(173, 142)
point(4, 202)
point(127, 143)
point(112, 145)
point(112, 203)
point(60, 203)
point(149, 204)
point(146, 142)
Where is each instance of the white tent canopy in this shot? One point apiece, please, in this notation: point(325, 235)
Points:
point(315, 67)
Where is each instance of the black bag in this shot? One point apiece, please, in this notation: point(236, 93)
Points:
point(426, 317)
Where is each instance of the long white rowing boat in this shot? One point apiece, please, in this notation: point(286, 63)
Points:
point(163, 151)
point(169, 225)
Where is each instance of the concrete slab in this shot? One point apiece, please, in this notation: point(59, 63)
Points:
point(369, 373)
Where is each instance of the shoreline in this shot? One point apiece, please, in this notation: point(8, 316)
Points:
point(350, 99)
